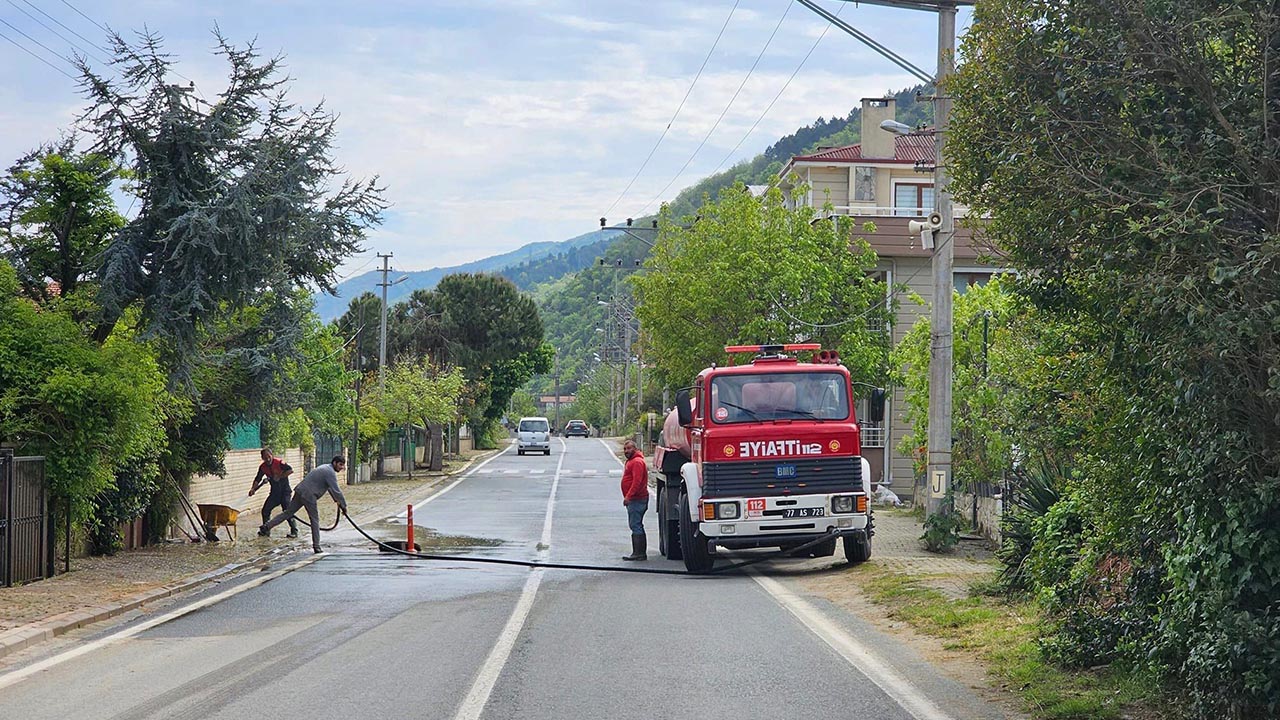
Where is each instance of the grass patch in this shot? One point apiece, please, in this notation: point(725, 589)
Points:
point(1003, 632)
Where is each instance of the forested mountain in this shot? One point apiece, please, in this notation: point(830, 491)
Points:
point(822, 133)
point(532, 272)
point(540, 261)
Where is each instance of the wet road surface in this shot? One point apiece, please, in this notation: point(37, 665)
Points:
point(359, 634)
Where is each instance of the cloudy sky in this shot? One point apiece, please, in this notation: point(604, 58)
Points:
point(495, 123)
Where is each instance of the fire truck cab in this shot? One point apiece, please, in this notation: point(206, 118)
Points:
point(765, 454)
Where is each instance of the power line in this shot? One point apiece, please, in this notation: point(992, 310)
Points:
point(101, 27)
point(64, 27)
point(785, 85)
point(46, 47)
point(723, 112)
point(59, 35)
point(28, 51)
point(680, 107)
point(111, 34)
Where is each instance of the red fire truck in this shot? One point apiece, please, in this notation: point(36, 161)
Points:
point(765, 454)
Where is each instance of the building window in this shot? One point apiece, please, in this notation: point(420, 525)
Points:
point(965, 280)
point(911, 199)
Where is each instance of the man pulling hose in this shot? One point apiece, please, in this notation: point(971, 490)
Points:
point(323, 479)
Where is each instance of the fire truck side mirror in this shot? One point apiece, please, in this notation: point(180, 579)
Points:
point(684, 408)
point(875, 406)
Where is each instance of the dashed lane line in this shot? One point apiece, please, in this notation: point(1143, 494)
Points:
point(478, 696)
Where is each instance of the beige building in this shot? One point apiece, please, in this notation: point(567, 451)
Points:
point(887, 179)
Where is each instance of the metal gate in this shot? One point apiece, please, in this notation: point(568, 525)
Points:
point(26, 530)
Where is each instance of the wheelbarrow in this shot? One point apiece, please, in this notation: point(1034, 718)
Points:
point(218, 516)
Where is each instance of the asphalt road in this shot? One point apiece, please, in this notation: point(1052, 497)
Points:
point(358, 634)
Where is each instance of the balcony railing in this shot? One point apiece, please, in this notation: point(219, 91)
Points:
point(872, 436)
point(959, 211)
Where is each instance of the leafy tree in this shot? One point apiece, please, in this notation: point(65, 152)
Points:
point(484, 325)
point(92, 411)
point(419, 393)
point(237, 196)
point(752, 270)
point(360, 324)
point(1133, 178)
point(57, 217)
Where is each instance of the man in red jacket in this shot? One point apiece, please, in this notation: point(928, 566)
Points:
point(635, 498)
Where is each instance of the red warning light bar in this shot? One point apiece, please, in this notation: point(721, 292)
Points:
point(793, 347)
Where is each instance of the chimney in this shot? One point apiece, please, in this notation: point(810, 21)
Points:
point(877, 143)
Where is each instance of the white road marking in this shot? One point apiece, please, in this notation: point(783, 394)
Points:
point(588, 472)
point(536, 472)
point(22, 674)
point(613, 452)
point(898, 688)
point(486, 471)
point(473, 704)
point(455, 483)
point(510, 472)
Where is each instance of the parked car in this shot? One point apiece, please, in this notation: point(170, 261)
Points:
point(577, 427)
point(533, 434)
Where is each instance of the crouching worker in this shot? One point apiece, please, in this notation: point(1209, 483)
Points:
point(277, 472)
point(635, 498)
point(323, 479)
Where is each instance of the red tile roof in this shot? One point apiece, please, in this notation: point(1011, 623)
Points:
point(906, 149)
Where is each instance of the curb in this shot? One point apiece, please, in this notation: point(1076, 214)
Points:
point(22, 637)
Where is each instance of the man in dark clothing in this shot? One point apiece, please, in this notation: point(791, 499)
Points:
point(635, 498)
point(277, 472)
point(323, 479)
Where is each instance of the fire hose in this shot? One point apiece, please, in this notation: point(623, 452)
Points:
point(577, 566)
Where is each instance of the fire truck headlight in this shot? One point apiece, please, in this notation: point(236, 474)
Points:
point(727, 511)
point(842, 504)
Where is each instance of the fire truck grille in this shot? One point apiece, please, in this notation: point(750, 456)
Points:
point(760, 478)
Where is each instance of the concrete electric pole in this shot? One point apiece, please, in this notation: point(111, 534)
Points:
point(382, 332)
point(938, 473)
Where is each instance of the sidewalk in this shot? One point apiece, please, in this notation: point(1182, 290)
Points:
point(98, 588)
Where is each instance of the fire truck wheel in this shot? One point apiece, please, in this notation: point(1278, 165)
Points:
point(662, 522)
point(857, 549)
point(693, 544)
point(668, 528)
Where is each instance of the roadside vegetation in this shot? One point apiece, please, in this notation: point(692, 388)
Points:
point(1004, 633)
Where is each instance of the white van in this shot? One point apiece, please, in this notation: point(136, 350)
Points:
point(533, 434)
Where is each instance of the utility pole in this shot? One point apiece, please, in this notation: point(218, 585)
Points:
point(626, 366)
point(938, 472)
point(382, 333)
point(556, 424)
point(940, 361)
point(353, 464)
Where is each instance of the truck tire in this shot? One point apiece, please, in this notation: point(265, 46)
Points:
point(857, 548)
point(668, 527)
point(693, 544)
point(663, 540)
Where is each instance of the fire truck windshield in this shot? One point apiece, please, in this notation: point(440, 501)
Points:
point(779, 396)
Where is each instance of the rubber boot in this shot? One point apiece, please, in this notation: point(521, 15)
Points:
point(639, 551)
